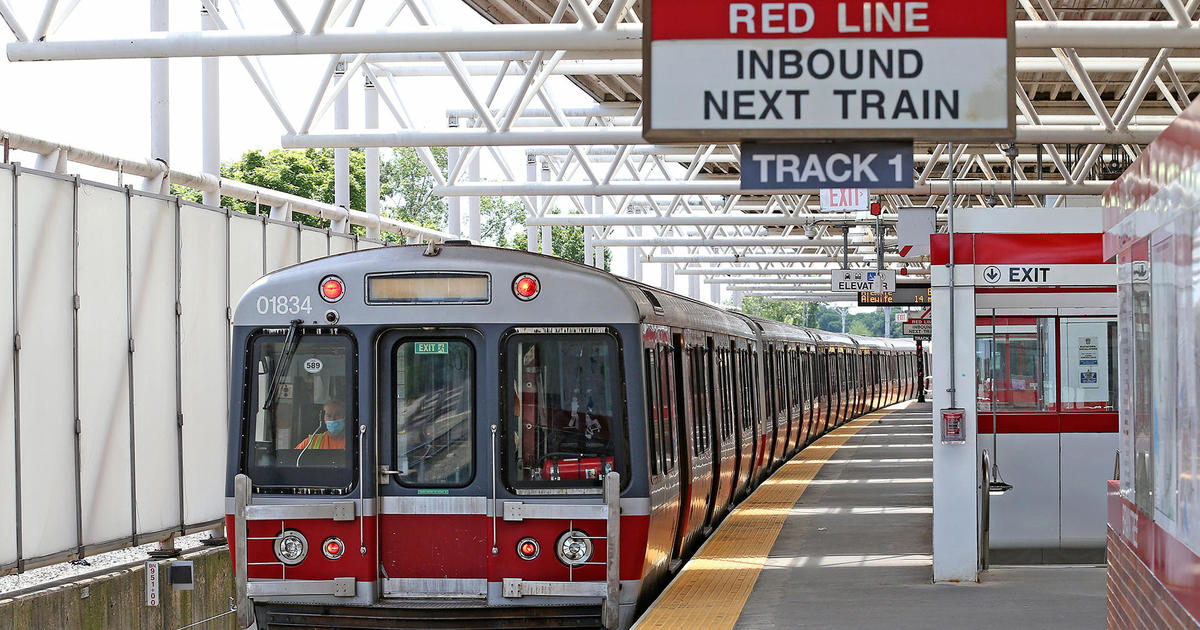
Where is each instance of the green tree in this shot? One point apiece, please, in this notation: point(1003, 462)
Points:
point(794, 313)
point(406, 185)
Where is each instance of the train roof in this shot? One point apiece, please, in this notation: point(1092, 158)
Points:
point(570, 293)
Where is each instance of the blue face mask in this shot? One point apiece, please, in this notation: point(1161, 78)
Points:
point(335, 426)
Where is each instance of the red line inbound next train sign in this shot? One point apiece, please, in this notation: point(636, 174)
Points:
point(724, 70)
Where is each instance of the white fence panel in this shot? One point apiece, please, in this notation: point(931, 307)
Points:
point(283, 246)
point(365, 244)
point(45, 292)
point(313, 244)
point(157, 456)
point(245, 254)
point(8, 453)
point(204, 335)
point(105, 481)
point(340, 244)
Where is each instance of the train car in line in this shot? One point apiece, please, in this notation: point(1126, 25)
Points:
point(453, 435)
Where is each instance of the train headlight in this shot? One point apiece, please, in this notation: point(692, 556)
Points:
point(528, 549)
point(333, 548)
point(291, 547)
point(574, 548)
point(526, 287)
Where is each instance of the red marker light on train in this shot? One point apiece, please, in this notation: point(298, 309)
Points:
point(333, 548)
point(528, 548)
point(332, 288)
point(526, 287)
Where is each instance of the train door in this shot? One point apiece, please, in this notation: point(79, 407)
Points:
point(676, 416)
point(436, 454)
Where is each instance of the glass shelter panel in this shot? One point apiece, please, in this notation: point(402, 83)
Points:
point(1015, 363)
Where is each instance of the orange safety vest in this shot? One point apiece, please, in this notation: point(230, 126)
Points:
point(323, 440)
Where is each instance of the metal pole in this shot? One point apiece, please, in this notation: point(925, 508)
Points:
point(531, 175)
point(611, 487)
point(547, 230)
point(950, 268)
point(845, 246)
point(371, 114)
point(210, 111)
point(473, 202)
point(453, 204)
point(160, 95)
point(341, 157)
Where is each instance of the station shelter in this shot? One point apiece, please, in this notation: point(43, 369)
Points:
point(1034, 341)
point(1154, 509)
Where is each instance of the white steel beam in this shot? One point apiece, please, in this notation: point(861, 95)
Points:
point(560, 136)
point(530, 37)
point(1108, 34)
point(10, 19)
point(764, 258)
point(733, 187)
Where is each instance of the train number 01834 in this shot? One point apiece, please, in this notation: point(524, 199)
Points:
point(283, 304)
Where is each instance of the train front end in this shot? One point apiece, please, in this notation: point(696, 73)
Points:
point(436, 437)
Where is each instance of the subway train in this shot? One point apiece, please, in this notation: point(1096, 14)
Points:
point(463, 436)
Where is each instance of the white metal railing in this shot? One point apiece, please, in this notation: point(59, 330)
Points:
point(208, 182)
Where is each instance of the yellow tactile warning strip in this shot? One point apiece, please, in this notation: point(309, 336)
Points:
point(714, 585)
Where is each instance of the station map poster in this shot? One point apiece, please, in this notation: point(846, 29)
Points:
point(823, 69)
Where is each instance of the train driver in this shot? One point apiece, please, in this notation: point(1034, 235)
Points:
point(332, 432)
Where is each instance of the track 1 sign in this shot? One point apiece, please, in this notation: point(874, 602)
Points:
point(720, 70)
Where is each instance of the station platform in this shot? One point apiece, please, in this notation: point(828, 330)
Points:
point(841, 537)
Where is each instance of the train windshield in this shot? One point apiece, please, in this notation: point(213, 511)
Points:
point(301, 412)
point(565, 412)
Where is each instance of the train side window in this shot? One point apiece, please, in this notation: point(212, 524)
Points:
point(667, 386)
point(650, 373)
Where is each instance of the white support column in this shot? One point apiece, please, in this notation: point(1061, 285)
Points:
point(955, 466)
point(737, 300)
point(714, 293)
point(531, 231)
point(588, 249)
point(371, 111)
point(637, 258)
point(597, 252)
point(473, 202)
point(341, 157)
point(694, 287)
point(547, 230)
point(210, 111)
point(453, 204)
point(667, 273)
point(160, 97)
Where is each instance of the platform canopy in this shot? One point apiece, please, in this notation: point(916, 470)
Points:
point(1095, 82)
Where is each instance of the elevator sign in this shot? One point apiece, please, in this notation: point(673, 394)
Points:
point(726, 70)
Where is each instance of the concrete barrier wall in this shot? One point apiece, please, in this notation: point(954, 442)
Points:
point(114, 359)
point(118, 601)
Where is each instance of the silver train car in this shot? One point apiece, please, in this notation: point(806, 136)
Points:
point(464, 436)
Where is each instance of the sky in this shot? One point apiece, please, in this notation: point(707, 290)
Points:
point(104, 104)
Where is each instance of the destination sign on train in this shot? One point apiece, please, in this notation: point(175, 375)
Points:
point(728, 70)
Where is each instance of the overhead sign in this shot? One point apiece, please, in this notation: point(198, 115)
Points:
point(913, 227)
point(854, 280)
point(1044, 275)
point(775, 166)
point(904, 295)
point(920, 329)
point(719, 70)
point(845, 200)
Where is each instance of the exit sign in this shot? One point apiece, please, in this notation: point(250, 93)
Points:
point(432, 347)
point(845, 199)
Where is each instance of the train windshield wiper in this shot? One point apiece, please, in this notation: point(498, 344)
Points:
point(285, 363)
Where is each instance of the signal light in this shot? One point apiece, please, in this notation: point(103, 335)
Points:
point(876, 208)
point(333, 548)
point(528, 549)
point(332, 288)
point(526, 287)
point(904, 271)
